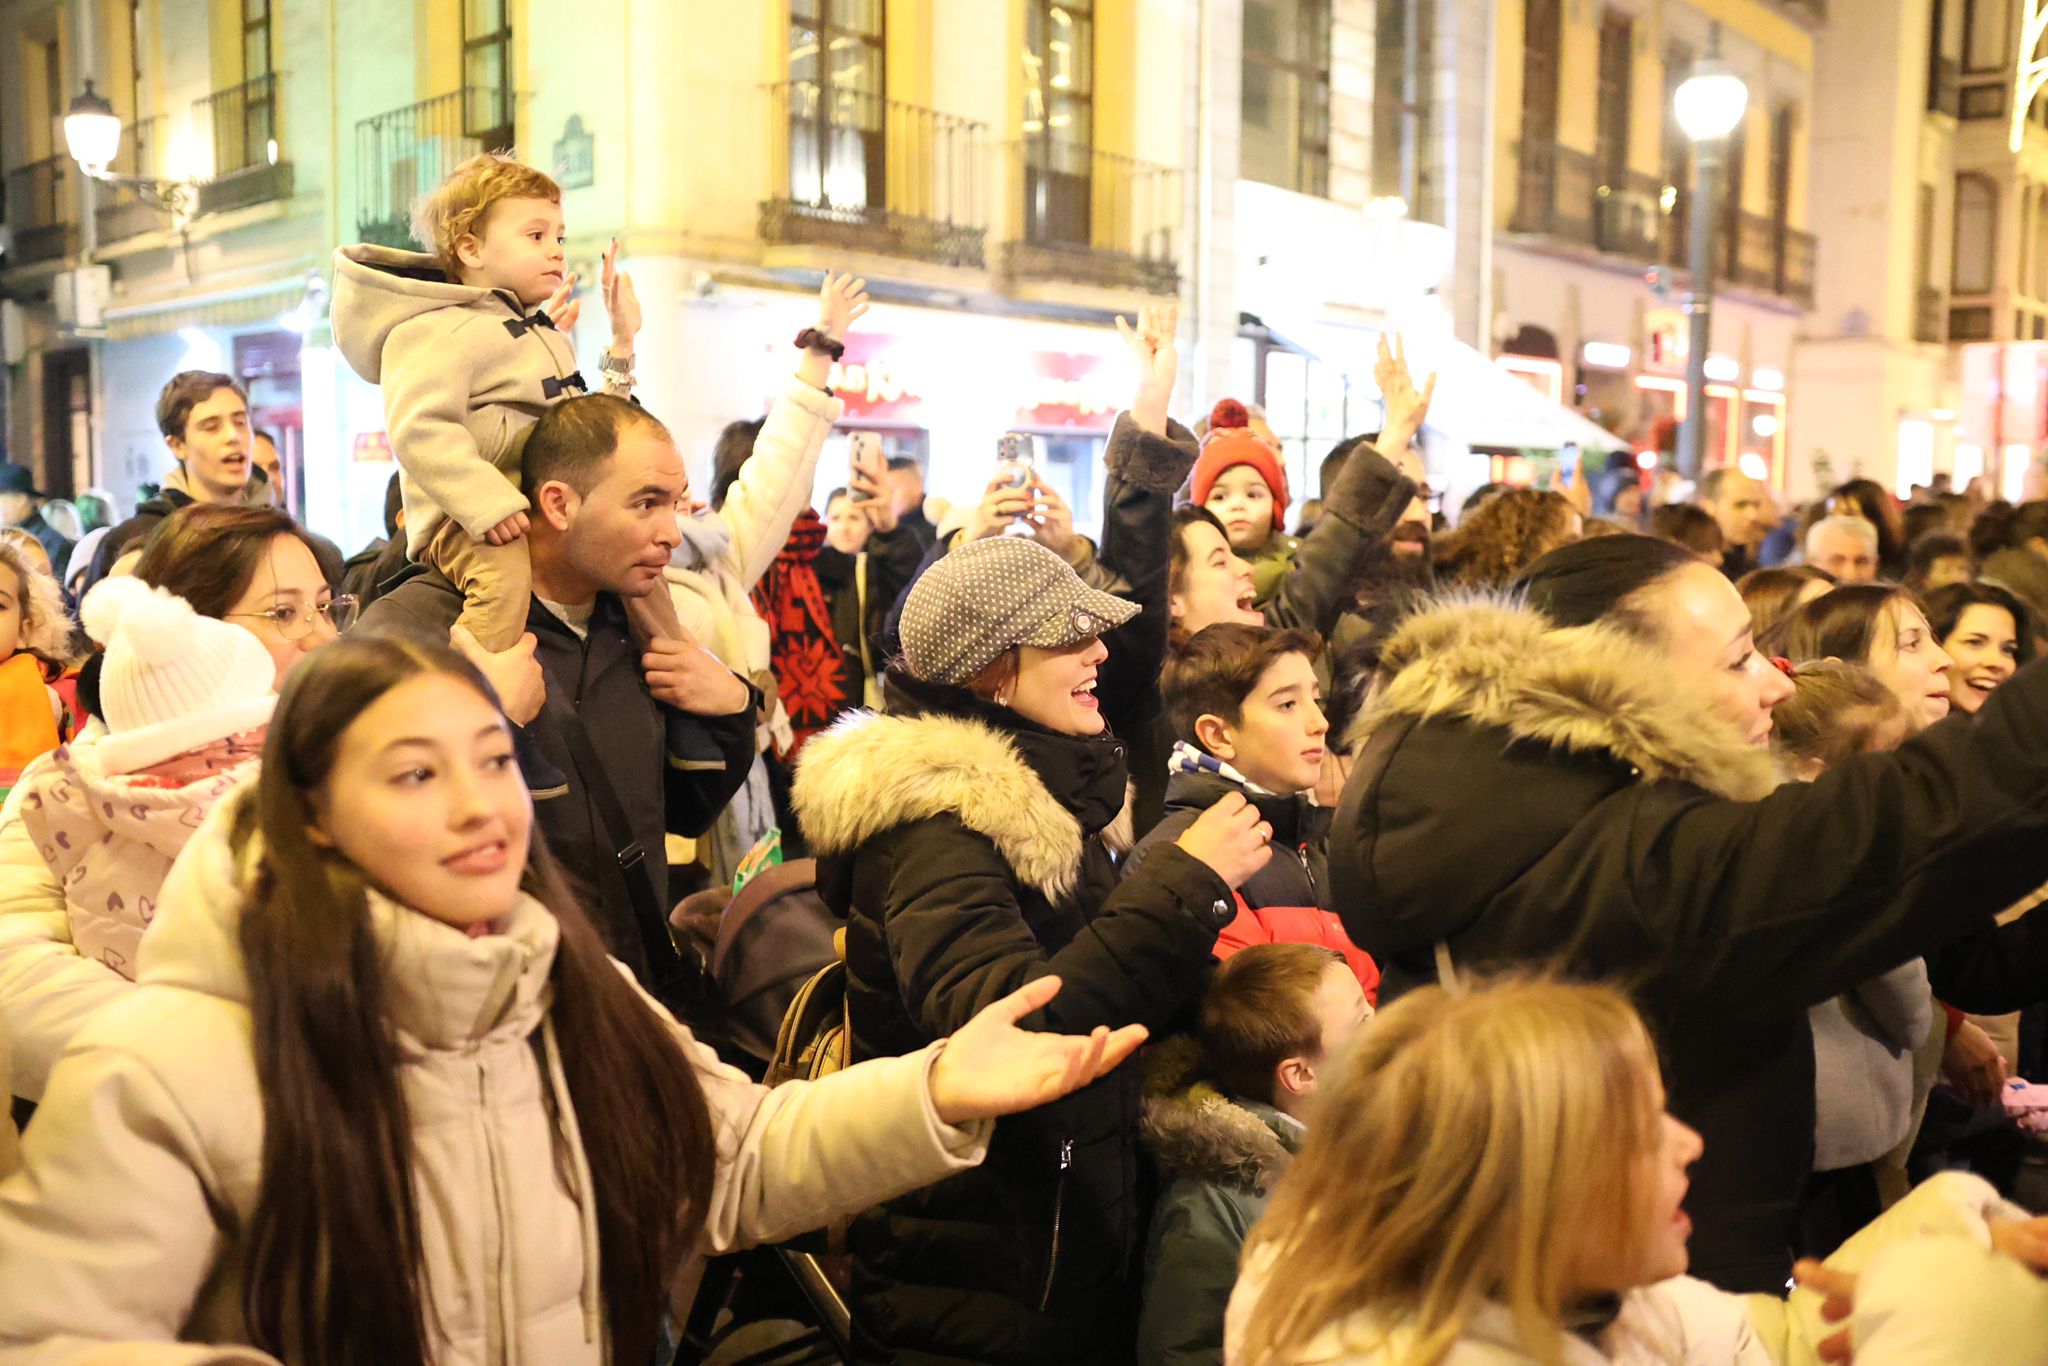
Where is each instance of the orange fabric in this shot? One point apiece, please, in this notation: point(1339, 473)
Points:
point(1297, 925)
point(28, 729)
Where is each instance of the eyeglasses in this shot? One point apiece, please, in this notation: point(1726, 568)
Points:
point(294, 622)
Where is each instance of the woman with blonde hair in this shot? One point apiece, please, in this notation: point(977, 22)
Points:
point(1491, 1178)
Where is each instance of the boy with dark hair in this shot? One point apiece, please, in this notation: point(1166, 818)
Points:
point(1223, 1116)
point(1246, 706)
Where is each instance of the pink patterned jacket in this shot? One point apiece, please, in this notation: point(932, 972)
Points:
point(111, 838)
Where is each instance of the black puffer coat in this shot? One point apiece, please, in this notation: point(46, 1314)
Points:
point(1526, 794)
point(964, 845)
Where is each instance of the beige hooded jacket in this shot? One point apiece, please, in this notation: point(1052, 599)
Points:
point(466, 372)
point(118, 1235)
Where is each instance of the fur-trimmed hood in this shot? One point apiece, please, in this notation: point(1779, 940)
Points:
point(1495, 661)
point(1197, 1132)
point(870, 773)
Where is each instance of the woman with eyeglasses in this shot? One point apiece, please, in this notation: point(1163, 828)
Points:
point(179, 702)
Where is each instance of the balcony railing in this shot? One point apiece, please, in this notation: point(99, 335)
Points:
point(1093, 217)
point(1930, 315)
point(1554, 193)
point(864, 173)
point(249, 165)
point(1626, 214)
point(122, 213)
point(402, 155)
point(1796, 266)
point(1755, 265)
point(39, 210)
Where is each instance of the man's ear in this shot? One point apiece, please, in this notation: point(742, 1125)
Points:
point(177, 448)
point(1214, 734)
point(1295, 1076)
point(556, 503)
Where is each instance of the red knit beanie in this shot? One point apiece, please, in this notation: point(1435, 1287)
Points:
point(1230, 442)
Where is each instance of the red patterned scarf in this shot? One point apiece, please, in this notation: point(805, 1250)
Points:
point(804, 652)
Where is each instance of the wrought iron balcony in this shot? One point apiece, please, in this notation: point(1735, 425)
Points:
point(1093, 217)
point(249, 165)
point(862, 173)
point(39, 211)
point(1626, 216)
point(403, 154)
point(1797, 261)
point(122, 212)
point(1553, 193)
point(1945, 86)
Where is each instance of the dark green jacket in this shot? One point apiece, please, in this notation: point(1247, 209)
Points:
point(1222, 1156)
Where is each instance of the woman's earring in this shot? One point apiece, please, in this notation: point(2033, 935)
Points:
point(1002, 700)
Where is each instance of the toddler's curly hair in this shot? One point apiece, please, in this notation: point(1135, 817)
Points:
point(457, 207)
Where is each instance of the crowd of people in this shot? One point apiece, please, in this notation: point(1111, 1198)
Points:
point(1593, 931)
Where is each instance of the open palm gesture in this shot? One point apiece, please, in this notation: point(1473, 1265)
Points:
point(1407, 407)
point(842, 299)
point(621, 304)
point(990, 1067)
point(1153, 351)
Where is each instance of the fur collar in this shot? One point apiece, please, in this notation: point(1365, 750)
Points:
point(870, 773)
point(1197, 1132)
point(1496, 662)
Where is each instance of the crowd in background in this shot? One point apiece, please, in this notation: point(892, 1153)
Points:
point(1547, 934)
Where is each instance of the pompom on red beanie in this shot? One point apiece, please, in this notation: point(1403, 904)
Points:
point(1229, 443)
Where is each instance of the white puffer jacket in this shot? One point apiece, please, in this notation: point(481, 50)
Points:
point(117, 1237)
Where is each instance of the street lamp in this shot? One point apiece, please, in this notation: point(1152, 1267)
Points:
point(1709, 105)
point(92, 134)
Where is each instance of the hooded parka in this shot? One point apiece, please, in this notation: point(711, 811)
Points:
point(1532, 795)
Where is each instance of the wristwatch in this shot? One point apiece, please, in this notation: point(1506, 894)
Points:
point(617, 370)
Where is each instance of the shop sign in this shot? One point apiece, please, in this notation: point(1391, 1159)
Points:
point(575, 156)
point(371, 448)
point(882, 380)
point(1669, 339)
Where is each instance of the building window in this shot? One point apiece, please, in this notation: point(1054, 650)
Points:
point(1784, 120)
point(1734, 171)
point(1945, 58)
point(53, 82)
point(1976, 233)
point(1987, 34)
point(255, 39)
point(1617, 81)
point(1059, 121)
point(1542, 42)
point(136, 62)
point(1404, 163)
point(1286, 98)
point(836, 87)
point(487, 73)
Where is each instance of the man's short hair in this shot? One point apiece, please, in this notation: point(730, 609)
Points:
point(1855, 526)
point(458, 205)
point(1710, 483)
point(574, 440)
point(1213, 671)
point(187, 390)
point(900, 463)
point(394, 503)
point(1259, 1011)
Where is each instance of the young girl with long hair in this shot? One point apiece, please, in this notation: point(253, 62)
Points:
point(379, 1095)
point(1489, 1178)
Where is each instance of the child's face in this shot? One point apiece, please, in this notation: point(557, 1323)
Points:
point(1658, 1226)
point(520, 249)
point(11, 605)
point(1243, 503)
point(1278, 740)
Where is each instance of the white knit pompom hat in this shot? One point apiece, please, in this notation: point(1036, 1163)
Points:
point(172, 679)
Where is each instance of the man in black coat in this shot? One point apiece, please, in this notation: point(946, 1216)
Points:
point(20, 510)
point(633, 746)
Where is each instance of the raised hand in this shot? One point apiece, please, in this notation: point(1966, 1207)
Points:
point(1407, 408)
point(990, 1068)
point(621, 304)
point(1002, 504)
point(842, 300)
point(1232, 838)
point(1052, 521)
point(563, 307)
point(1837, 1290)
point(684, 675)
point(1153, 351)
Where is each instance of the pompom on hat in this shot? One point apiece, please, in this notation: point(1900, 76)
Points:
point(172, 680)
point(1230, 442)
